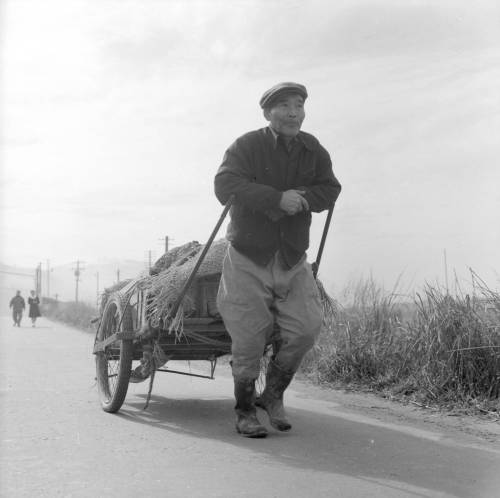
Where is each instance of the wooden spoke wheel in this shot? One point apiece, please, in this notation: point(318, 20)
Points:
point(113, 365)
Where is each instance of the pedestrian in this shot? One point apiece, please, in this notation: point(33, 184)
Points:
point(34, 304)
point(18, 305)
point(278, 176)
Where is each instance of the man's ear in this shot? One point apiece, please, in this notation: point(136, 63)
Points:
point(267, 113)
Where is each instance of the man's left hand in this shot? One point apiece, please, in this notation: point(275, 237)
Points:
point(293, 202)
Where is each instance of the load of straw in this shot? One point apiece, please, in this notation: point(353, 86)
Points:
point(165, 287)
point(110, 290)
point(171, 272)
point(178, 255)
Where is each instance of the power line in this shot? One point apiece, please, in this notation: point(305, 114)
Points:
point(30, 275)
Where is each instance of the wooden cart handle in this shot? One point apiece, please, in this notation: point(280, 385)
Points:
point(189, 281)
point(315, 265)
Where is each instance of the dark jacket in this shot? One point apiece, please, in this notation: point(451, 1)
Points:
point(257, 169)
point(17, 303)
point(34, 303)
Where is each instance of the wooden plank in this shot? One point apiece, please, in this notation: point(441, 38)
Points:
point(201, 320)
point(195, 350)
point(198, 357)
point(215, 342)
point(118, 336)
point(205, 328)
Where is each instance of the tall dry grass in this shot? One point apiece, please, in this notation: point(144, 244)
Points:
point(437, 348)
point(78, 315)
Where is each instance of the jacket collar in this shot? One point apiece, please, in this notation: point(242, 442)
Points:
point(302, 138)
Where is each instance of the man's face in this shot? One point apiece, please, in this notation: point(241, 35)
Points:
point(286, 115)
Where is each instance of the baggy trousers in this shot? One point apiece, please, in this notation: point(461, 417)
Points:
point(17, 315)
point(252, 298)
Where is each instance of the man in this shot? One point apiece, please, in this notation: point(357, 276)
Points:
point(278, 176)
point(17, 304)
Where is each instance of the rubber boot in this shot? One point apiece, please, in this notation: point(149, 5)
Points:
point(247, 423)
point(271, 399)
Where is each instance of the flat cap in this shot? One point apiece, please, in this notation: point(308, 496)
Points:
point(280, 89)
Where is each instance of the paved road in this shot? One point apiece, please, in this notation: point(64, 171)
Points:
point(57, 442)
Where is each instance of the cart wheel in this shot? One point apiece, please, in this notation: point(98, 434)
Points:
point(114, 364)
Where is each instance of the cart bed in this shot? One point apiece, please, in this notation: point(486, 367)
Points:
point(202, 339)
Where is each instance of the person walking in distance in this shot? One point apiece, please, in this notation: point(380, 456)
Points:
point(34, 304)
point(18, 305)
point(278, 176)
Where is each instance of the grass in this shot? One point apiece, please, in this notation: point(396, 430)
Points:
point(437, 349)
point(78, 315)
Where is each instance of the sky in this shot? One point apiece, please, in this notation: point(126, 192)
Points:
point(115, 116)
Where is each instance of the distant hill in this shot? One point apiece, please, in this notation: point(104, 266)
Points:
point(62, 281)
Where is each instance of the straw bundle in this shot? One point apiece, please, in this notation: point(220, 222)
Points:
point(165, 287)
point(329, 306)
point(110, 290)
point(178, 255)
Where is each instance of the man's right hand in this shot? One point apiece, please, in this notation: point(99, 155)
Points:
point(292, 202)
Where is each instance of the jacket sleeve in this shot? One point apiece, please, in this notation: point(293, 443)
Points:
point(322, 193)
point(236, 176)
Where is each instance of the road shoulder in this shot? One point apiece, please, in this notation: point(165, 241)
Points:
point(481, 432)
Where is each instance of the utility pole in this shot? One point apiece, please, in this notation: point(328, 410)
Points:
point(117, 275)
point(77, 279)
point(78, 271)
point(167, 242)
point(48, 278)
point(97, 288)
point(35, 281)
point(149, 259)
point(38, 279)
